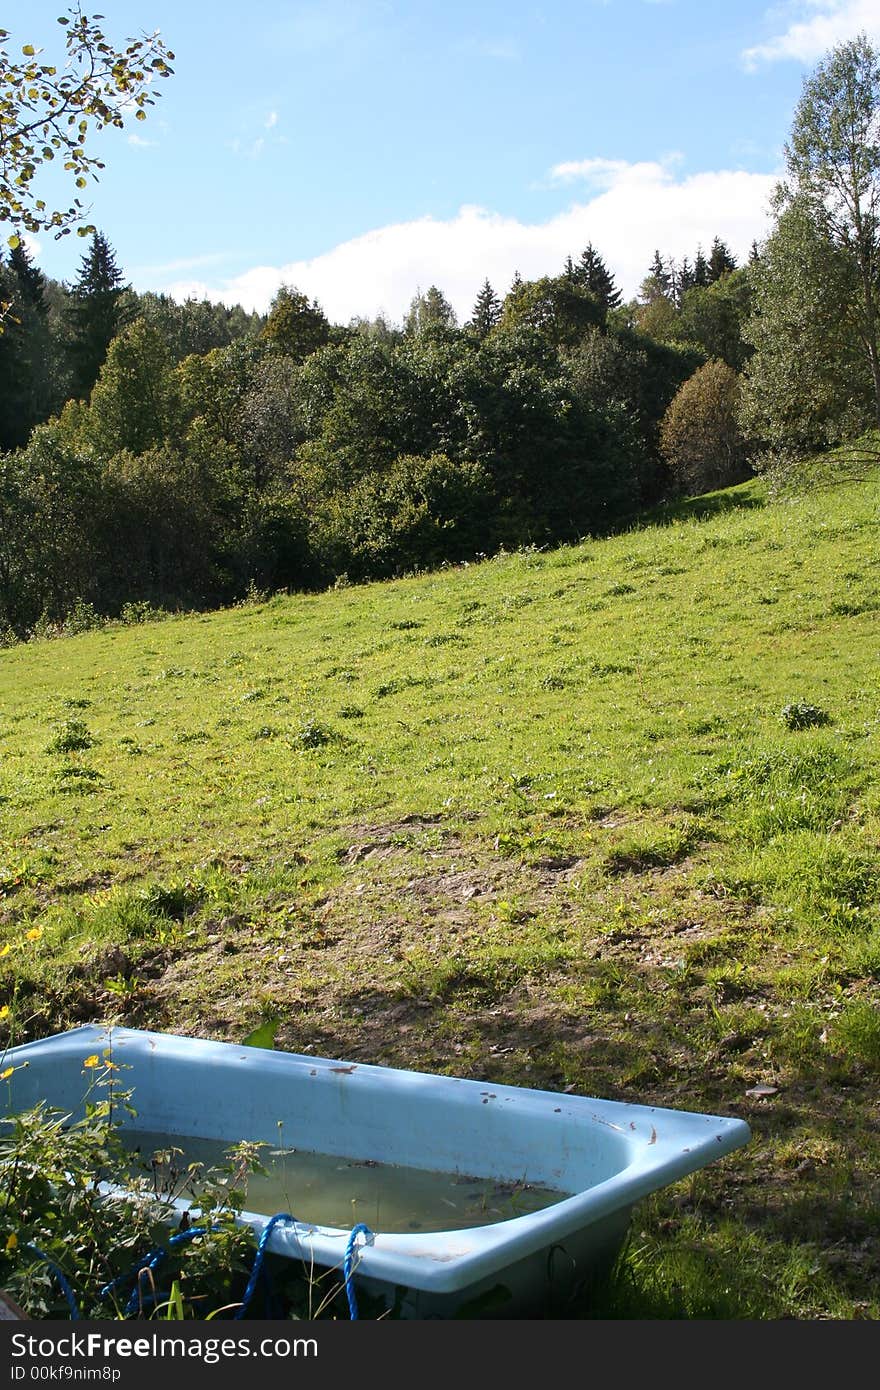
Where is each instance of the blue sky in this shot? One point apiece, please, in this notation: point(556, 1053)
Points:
point(364, 149)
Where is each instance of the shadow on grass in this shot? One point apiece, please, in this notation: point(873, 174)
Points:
point(711, 504)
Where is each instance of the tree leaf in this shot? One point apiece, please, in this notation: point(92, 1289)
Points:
point(263, 1035)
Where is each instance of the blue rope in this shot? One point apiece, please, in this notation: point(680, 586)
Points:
point(154, 1258)
point(62, 1280)
point(359, 1230)
point(276, 1220)
point(150, 1261)
point(283, 1217)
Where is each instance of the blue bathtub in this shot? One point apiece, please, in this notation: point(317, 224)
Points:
point(606, 1154)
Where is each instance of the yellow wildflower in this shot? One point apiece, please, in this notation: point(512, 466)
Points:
point(34, 934)
point(12, 1242)
point(4, 950)
point(4, 1011)
point(93, 1061)
point(5, 1075)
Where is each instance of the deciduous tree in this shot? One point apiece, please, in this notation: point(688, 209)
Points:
point(700, 436)
point(49, 110)
point(833, 158)
point(296, 325)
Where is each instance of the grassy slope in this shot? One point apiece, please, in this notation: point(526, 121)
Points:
point(537, 821)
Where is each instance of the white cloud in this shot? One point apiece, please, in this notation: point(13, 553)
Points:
point(605, 173)
point(816, 27)
point(638, 208)
point(140, 143)
point(271, 120)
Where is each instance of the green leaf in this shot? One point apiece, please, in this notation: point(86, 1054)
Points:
point(264, 1035)
point(13, 242)
point(175, 1303)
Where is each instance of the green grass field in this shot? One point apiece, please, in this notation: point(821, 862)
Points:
point(603, 818)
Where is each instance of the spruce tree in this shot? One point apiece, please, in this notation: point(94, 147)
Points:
point(31, 280)
point(25, 370)
point(487, 311)
point(701, 269)
point(660, 275)
point(96, 313)
point(592, 272)
point(721, 262)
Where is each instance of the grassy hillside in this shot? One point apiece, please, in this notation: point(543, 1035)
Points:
point(604, 818)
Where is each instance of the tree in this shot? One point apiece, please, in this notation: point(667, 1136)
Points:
point(429, 311)
point(658, 280)
point(96, 312)
point(685, 279)
point(25, 350)
point(487, 311)
point(592, 272)
point(47, 110)
point(833, 159)
point(295, 326)
point(701, 269)
point(196, 325)
point(712, 318)
point(700, 436)
point(655, 313)
point(558, 308)
point(135, 403)
point(809, 381)
point(721, 261)
point(49, 499)
point(641, 374)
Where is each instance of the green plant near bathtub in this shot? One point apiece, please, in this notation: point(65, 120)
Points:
point(63, 1241)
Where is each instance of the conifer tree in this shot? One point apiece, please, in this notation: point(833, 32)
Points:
point(685, 278)
point(592, 272)
point(96, 312)
point(701, 269)
point(31, 280)
point(721, 262)
point(487, 311)
point(658, 283)
point(659, 275)
point(24, 349)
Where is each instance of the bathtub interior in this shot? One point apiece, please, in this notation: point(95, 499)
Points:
point(220, 1091)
